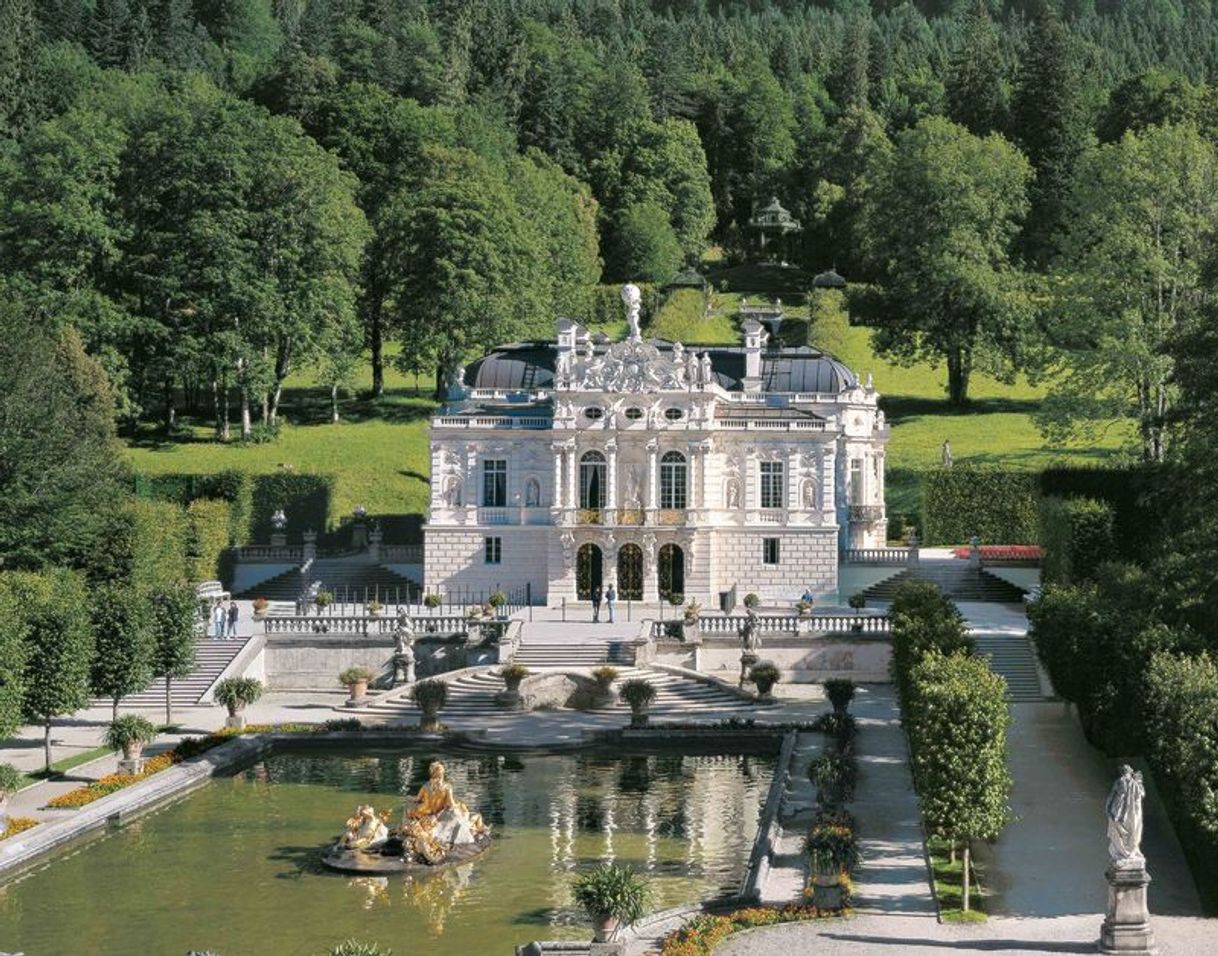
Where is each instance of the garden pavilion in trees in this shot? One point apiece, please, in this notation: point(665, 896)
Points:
point(774, 224)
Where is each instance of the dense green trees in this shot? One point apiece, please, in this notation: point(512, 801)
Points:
point(940, 216)
point(122, 642)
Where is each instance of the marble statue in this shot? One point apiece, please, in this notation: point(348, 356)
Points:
point(678, 362)
point(279, 520)
point(366, 830)
point(947, 453)
point(649, 548)
point(438, 822)
point(707, 376)
point(750, 636)
point(452, 492)
point(634, 302)
point(532, 493)
point(403, 653)
point(692, 369)
point(1124, 809)
point(733, 495)
point(634, 487)
point(810, 495)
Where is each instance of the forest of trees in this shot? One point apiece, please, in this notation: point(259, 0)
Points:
point(217, 194)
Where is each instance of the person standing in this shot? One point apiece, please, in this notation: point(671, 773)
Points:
point(596, 603)
point(233, 614)
point(610, 597)
point(218, 618)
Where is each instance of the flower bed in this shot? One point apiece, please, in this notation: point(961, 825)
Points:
point(1004, 552)
point(189, 747)
point(17, 825)
point(702, 934)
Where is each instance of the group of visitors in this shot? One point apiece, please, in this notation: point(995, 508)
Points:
point(608, 596)
point(224, 617)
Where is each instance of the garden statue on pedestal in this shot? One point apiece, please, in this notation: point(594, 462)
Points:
point(750, 643)
point(1126, 927)
point(403, 653)
point(634, 302)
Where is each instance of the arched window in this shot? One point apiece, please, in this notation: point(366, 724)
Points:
point(592, 480)
point(673, 475)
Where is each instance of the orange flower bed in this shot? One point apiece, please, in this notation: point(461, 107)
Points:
point(110, 783)
point(702, 934)
point(17, 825)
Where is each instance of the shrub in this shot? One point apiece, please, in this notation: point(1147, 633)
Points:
point(605, 676)
point(832, 839)
point(261, 604)
point(923, 619)
point(324, 598)
point(840, 692)
point(637, 693)
point(514, 672)
point(127, 730)
point(235, 692)
point(353, 675)
point(752, 600)
point(148, 546)
point(835, 776)
point(209, 535)
point(1064, 624)
point(18, 825)
point(432, 600)
point(693, 611)
point(841, 727)
point(676, 598)
point(998, 506)
point(612, 891)
point(497, 599)
point(375, 606)
point(11, 780)
point(765, 675)
point(1076, 537)
point(306, 500)
point(858, 600)
point(431, 695)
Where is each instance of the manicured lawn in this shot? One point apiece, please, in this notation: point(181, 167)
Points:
point(63, 766)
point(949, 886)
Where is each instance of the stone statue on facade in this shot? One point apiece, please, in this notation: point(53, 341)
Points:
point(733, 495)
point(707, 376)
point(1124, 809)
point(634, 487)
point(678, 362)
point(634, 303)
point(692, 369)
point(403, 651)
point(810, 495)
point(649, 548)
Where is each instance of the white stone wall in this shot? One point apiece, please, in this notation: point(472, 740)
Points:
point(807, 559)
point(454, 559)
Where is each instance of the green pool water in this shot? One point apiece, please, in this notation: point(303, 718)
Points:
point(233, 869)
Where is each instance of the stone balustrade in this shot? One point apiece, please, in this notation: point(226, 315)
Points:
point(881, 556)
point(363, 624)
point(879, 625)
point(269, 553)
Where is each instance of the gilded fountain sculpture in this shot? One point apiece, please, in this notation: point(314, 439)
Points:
point(437, 829)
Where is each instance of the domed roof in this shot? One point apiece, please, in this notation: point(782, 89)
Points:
point(805, 369)
point(518, 367)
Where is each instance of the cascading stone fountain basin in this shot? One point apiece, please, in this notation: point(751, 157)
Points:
point(235, 867)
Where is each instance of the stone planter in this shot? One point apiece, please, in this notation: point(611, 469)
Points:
point(639, 718)
point(430, 721)
point(260, 615)
point(604, 928)
point(133, 758)
point(827, 892)
point(236, 717)
point(765, 691)
point(691, 631)
point(359, 693)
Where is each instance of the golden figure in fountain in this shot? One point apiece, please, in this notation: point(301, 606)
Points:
point(439, 823)
point(437, 829)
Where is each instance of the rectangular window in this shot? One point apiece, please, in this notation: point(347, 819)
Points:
point(494, 550)
point(494, 483)
point(769, 550)
point(771, 485)
point(856, 481)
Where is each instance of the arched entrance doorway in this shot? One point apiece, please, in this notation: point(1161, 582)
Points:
point(630, 572)
point(670, 571)
point(588, 571)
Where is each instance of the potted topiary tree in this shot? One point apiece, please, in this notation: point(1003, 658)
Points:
point(638, 694)
point(235, 693)
point(10, 782)
point(835, 776)
point(497, 601)
point(375, 608)
point(611, 895)
point(260, 606)
point(323, 599)
point(432, 601)
point(832, 854)
point(765, 675)
point(691, 630)
point(130, 733)
point(512, 675)
point(803, 607)
point(858, 601)
point(430, 695)
point(840, 692)
point(356, 679)
point(752, 600)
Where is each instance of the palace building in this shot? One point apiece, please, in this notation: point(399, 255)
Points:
point(560, 466)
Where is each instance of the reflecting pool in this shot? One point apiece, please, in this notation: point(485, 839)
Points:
point(234, 868)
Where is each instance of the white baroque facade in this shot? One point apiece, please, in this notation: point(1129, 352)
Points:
point(559, 466)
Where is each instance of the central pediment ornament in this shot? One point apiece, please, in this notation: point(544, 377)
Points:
point(629, 367)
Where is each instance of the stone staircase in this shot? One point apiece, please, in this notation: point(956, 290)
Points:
point(959, 581)
point(348, 579)
point(471, 697)
point(211, 659)
point(1012, 656)
point(591, 654)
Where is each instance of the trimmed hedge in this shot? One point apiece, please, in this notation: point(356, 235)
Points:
point(306, 499)
point(1001, 507)
point(148, 547)
point(209, 522)
point(1077, 535)
point(924, 619)
point(1130, 491)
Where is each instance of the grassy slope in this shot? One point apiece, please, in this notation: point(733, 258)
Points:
point(379, 453)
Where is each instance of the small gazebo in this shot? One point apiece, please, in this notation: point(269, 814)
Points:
point(773, 221)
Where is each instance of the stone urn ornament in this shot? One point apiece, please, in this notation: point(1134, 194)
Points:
point(356, 680)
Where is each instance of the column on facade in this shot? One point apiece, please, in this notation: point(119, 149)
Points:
point(828, 481)
point(611, 475)
point(572, 475)
point(470, 493)
point(556, 495)
point(653, 474)
point(792, 470)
